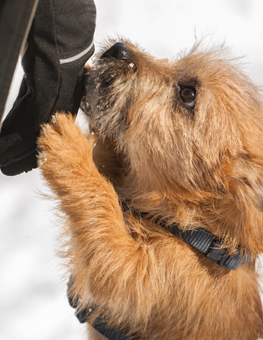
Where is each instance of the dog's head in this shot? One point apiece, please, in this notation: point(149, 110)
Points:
point(191, 130)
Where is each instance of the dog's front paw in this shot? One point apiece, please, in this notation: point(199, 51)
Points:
point(62, 144)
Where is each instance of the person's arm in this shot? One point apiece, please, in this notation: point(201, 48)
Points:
point(15, 20)
point(60, 42)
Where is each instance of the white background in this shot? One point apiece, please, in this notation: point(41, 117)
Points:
point(33, 303)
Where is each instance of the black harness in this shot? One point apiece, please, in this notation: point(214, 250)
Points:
point(200, 239)
point(207, 243)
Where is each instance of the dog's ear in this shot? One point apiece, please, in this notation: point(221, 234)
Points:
point(246, 188)
point(247, 180)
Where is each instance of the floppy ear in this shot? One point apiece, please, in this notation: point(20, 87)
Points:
point(246, 186)
point(247, 180)
point(258, 192)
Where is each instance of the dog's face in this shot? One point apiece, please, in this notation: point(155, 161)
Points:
point(190, 128)
point(192, 118)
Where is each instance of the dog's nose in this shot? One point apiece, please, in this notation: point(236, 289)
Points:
point(117, 51)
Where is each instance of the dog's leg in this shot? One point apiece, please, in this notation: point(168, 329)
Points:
point(106, 260)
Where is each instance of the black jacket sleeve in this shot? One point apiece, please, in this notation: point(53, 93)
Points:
point(15, 20)
point(59, 43)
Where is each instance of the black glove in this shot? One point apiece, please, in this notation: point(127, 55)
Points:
point(59, 44)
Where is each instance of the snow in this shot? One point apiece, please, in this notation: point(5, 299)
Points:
point(33, 302)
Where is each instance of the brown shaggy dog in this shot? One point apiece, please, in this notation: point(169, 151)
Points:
point(182, 141)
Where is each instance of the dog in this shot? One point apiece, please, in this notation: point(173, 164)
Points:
point(174, 151)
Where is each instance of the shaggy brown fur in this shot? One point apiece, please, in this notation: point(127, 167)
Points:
point(198, 162)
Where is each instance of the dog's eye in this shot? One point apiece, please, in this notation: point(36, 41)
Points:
point(187, 95)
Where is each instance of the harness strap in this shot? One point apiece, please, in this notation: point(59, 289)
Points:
point(200, 239)
point(207, 243)
point(100, 325)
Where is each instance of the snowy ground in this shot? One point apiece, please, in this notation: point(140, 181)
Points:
point(33, 302)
